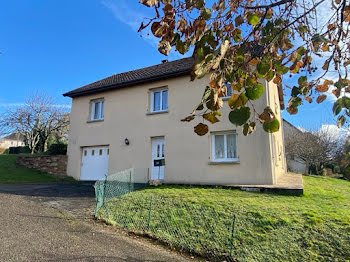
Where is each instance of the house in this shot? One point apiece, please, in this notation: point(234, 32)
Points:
point(294, 163)
point(132, 120)
point(12, 140)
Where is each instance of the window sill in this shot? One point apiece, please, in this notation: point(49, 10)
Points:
point(228, 162)
point(225, 98)
point(93, 121)
point(157, 112)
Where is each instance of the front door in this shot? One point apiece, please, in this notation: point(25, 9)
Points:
point(94, 163)
point(158, 160)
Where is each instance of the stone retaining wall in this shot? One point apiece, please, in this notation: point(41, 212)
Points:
point(54, 165)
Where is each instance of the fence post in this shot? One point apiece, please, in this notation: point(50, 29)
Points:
point(232, 234)
point(149, 213)
point(103, 197)
point(130, 181)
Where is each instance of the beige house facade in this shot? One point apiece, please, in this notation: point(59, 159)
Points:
point(12, 140)
point(132, 120)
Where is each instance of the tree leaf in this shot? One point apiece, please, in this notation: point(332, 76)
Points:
point(292, 110)
point(341, 121)
point(201, 129)
point(267, 116)
point(236, 100)
point(188, 118)
point(237, 35)
point(271, 127)
point(263, 67)
point(337, 106)
point(248, 128)
point(302, 80)
point(253, 19)
point(164, 47)
point(321, 98)
point(239, 20)
point(239, 116)
point(206, 13)
point(255, 91)
point(211, 117)
point(149, 3)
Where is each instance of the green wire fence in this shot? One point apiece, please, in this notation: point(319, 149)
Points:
point(184, 225)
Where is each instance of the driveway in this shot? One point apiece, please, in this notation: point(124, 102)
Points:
point(54, 222)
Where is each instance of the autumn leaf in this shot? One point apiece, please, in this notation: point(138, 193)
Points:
point(211, 117)
point(267, 116)
point(321, 98)
point(201, 129)
point(188, 118)
point(149, 3)
point(239, 20)
point(249, 128)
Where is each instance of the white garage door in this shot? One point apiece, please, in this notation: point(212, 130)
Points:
point(94, 163)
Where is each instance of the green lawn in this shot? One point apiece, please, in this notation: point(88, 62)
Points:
point(11, 173)
point(269, 227)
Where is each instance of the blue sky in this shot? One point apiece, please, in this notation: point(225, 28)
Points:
point(56, 46)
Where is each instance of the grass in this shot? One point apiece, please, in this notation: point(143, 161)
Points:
point(12, 173)
point(269, 227)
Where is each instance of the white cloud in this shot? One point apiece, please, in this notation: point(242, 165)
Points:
point(334, 132)
point(132, 17)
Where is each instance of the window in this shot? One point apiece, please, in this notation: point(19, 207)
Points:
point(97, 107)
point(229, 90)
point(100, 152)
point(159, 100)
point(224, 147)
point(92, 152)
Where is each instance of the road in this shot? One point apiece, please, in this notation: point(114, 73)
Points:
point(53, 222)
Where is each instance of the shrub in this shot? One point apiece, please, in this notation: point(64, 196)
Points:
point(19, 150)
point(57, 149)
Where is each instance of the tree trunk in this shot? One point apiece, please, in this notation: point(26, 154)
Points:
point(45, 144)
point(306, 167)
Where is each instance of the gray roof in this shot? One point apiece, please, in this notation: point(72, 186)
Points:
point(14, 136)
point(143, 75)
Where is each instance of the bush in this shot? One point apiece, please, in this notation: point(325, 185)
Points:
point(19, 150)
point(57, 149)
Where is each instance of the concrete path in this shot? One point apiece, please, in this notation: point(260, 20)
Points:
point(53, 222)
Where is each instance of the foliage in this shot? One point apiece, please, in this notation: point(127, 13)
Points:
point(19, 150)
point(57, 149)
point(269, 227)
point(237, 42)
point(12, 173)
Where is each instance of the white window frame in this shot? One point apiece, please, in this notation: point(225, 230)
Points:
point(226, 159)
point(92, 109)
point(161, 90)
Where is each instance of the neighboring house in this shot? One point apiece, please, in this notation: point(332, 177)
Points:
point(12, 140)
point(294, 163)
point(132, 120)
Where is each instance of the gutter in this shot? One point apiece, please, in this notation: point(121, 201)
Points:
point(99, 89)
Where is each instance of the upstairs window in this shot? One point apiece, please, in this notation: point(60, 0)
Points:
point(224, 147)
point(159, 100)
point(229, 91)
point(97, 107)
